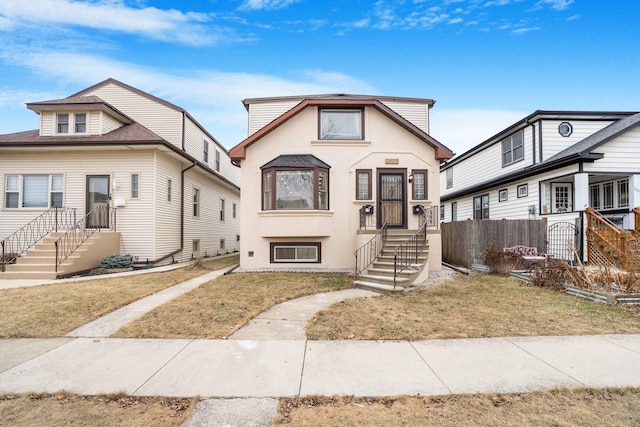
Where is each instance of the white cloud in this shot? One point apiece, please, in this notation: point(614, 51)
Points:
point(212, 97)
point(554, 4)
point(461, 129)
point(169, 25)
point(266, 4)
point(455, 21)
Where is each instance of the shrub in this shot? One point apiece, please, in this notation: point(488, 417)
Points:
point(553, 276)
point(501, 263)
point(117, 261)
point(10, 257)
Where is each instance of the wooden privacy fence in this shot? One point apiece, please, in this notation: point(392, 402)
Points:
point(464, 241)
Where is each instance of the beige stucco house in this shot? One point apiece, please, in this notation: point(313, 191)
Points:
point(320, 174)
point(157, 176)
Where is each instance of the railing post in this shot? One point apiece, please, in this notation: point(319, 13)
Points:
point(3, 256)
point(56, 260)
point(395, 268)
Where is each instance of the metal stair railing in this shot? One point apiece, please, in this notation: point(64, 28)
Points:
point(101, 218)
point(369, 252)
point(52, 220)
point(408, 252)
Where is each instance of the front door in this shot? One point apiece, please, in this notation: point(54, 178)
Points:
point(98, 201)
point(391, 199)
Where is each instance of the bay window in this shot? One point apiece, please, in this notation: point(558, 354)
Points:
point(33, 191)
point(301, 187)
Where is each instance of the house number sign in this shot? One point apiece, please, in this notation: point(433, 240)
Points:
point(391, 161)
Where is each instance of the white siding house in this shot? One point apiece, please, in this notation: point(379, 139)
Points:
point(551, 164)
point(144, 154)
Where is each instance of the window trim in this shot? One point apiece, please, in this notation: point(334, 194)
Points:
point(222, 209)
point(554, 208)
point(273, 171)
point(135, 188)
point(454, 211)
point(205, 150)
point(369, 174)
point(449, 177)
point(522, 191)
point(442, 212)
point(20, 190)
point(234, 210)
point(504, 192)
point(483, 212)
point(512, 149)
point(274, 245)
point(616, 194)
point(72, 123)
point(425, 174)
point(360, 111)
point(217, 166)
point(196, 203)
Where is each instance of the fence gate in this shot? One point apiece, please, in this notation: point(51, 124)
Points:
point(563, 241)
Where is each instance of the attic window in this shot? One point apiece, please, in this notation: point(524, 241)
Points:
point(338, 124)
point(513, 149)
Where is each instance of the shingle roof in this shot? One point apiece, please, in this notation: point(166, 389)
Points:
point(296, 161)
point(134, 132)
point(593, 141)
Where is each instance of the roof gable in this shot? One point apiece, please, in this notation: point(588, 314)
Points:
point(239, 151)
point(587, 145)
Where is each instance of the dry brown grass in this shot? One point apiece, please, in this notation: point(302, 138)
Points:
point(584, 407)
point(56, 309)
point(471, 307)
point(218, 308)
point(65, 409)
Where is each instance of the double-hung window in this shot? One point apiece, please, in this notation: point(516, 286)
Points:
point(67, 123)
point(80, 125)
point(196, 202)
point(304, 186)
point(217, 161)
point(135, 185)
point(205, 151)
point(513, 149)
point(363, 184)
point(63, 123)
point(419, 184)
point(449, 175)
point(341, 124)
point(481, 207)
point(33, 191)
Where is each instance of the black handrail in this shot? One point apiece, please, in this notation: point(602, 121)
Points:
point(52, 220)
point(368, 253)
point(408, 252)
point(101, 218)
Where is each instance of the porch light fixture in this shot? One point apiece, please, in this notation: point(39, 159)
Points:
point(410, 178)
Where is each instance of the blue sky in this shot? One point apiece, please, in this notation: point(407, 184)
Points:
point(487, 63)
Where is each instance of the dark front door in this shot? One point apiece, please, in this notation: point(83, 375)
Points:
point(391, 199)
point(98, 201)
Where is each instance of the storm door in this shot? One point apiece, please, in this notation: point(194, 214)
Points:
point(392, 199)
point(98, 201)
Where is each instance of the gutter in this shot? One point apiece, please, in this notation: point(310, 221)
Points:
point(182, 204)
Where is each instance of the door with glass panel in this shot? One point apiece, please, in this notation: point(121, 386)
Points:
point(392, 199)
point(98, 201)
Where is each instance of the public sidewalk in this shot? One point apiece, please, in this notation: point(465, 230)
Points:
point(252, 368)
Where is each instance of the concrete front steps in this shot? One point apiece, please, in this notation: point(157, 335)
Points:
point(379, 276)
point(39, 262)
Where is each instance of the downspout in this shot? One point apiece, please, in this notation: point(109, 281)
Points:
point(182, 205)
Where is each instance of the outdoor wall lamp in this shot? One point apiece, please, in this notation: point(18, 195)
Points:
point(410, 178)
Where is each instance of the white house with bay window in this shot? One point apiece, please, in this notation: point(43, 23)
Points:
point(320, 172)
point(162, 180)
point(550, 164)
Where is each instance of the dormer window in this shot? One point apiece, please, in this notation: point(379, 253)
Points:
point(67, 122)
point(81, 123)
point(341, 124)
point(63, 123)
